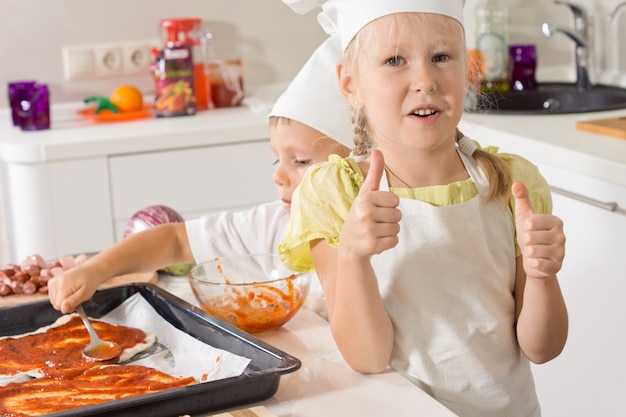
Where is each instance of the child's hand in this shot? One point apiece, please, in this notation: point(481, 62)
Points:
point(68, 290)
point(372, 225)
point(540, 237)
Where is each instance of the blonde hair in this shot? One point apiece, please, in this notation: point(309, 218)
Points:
point(496, 170)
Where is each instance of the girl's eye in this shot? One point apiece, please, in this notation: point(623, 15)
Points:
point(441, 58)
point(276, 162)
point(395, 61)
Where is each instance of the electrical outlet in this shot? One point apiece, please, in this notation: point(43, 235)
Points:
point(104, 60)
point(78, 63)
point(136, 57)
point(108, 60)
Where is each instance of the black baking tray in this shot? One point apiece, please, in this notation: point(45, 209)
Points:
point(258, 382)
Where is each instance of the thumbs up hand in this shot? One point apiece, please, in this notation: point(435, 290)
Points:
point(539, 236)
point(372, 225)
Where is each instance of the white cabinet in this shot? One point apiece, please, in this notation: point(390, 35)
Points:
point(57, 208)
point(192, 181)
point(73, 188)
point(587, 379)
point(83, 205)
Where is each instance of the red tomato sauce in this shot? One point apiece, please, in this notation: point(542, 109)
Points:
point(61, 348)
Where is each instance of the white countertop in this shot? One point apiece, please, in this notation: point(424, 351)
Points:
point(72, 136)
point(554, 139)
point(325, 385)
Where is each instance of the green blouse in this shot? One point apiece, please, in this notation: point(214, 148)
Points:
point(321, 203)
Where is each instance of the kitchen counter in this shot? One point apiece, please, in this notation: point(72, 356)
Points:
point(540, 137)
point(72, 136)
point(325, 385)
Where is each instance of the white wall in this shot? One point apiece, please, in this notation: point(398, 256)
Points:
point(272, 40)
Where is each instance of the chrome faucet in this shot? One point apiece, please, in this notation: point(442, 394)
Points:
point(612, 15)
point(580, 36)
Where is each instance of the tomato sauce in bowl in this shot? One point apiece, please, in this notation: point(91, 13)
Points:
point(255, 293)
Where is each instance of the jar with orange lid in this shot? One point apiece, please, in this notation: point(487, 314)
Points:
point(189, 31)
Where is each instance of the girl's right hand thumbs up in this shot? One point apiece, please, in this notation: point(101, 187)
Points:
point(372, 225)
point(374, 173)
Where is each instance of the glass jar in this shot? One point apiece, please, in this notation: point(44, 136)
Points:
point(492, 43)
point(226, 82)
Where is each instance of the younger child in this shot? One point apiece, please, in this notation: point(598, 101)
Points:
point(427, 261)
point(304, 123)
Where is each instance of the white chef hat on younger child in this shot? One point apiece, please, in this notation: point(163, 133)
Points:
point(313, 97)
point(347, 17)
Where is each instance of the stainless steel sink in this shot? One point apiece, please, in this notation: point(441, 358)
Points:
point(552, 98)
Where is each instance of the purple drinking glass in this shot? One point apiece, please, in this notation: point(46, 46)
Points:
point(524, 63)
point(18, 91)
point(32, 106)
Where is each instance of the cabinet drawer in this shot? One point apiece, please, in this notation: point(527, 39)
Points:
point(202, 179)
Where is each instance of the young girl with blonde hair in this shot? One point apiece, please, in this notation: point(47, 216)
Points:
point(436, 257)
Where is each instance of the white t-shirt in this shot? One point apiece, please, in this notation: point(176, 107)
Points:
point(256, 230)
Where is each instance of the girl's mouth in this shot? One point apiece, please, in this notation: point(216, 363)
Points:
point(423, 112)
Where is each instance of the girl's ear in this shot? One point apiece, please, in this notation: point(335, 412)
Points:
point(346, 84)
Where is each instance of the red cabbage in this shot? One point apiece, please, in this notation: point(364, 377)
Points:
point(152, 216)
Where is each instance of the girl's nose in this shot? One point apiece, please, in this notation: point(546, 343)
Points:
point(422, 80)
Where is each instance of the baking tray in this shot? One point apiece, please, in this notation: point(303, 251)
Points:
point(259, 380)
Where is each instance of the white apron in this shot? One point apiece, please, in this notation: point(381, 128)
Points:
point(448, 287)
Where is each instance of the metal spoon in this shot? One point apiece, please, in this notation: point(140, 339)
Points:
point(97, 349)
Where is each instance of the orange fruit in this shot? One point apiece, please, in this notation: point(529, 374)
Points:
point(127, 98)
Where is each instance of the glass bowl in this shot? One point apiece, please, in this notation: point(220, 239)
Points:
point(253, 292)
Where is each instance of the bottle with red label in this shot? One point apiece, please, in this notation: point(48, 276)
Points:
point(189, 32)
point(173, 74)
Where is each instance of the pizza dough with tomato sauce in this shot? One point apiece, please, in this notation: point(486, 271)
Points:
point(45, 395)
point(57, 348)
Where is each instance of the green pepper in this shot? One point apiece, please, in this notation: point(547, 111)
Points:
point(103, 104)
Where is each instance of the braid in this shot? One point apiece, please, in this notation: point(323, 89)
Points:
point(362, 138)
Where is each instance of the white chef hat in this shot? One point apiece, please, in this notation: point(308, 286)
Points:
point(347, 17)
point(313, 97)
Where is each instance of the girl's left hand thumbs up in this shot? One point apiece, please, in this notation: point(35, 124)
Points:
point(539, 236)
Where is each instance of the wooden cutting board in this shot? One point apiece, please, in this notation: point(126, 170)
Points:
point(11, 300)
point(614, 126)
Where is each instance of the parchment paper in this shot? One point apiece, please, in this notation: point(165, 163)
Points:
point(175, 352)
